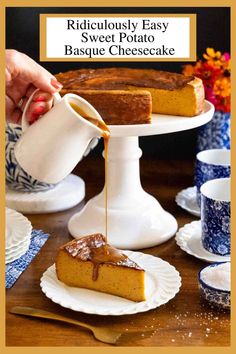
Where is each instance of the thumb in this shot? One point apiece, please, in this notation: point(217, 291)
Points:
point(22, 66)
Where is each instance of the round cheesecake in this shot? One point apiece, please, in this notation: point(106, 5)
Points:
point(130, 96)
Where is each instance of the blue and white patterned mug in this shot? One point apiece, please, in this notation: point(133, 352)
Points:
point(16, 177)
point(211, 164)
point(215, 216)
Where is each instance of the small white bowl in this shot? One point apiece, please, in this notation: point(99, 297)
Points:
point(215, 296)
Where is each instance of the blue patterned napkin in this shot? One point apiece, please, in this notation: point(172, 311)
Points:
point(17, 267)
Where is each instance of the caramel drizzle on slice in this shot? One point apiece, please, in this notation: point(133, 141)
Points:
point(104, 254)
point(93, 248)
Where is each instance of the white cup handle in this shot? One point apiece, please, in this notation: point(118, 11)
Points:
point(24, 123)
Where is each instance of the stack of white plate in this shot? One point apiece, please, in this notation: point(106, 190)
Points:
point(18, 233)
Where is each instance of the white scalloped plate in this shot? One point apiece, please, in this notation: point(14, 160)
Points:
point(162, 283)
point(187, 199)
point(188, 238)
point(18, 229)
point(13, 251)
point(16, 255)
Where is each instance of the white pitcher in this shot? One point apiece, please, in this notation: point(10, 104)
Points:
point(51, 147)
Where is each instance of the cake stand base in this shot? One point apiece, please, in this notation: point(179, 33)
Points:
point(63, 196)
point(135, 218)
point(141, 227)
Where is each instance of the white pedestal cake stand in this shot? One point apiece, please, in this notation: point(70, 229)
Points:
point(135, 218)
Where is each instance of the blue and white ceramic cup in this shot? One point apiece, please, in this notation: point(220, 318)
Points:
point(215, 216)
point(217, 296)
point(16, 177)
point(211, 164)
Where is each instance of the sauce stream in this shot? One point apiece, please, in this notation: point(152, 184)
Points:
point(106, 136)
point(104, 253)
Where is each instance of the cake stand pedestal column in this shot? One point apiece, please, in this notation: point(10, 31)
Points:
point(135, 218)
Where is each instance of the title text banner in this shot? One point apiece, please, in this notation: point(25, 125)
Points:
point(118, 38)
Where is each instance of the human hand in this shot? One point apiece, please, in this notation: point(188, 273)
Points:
point(23, 76)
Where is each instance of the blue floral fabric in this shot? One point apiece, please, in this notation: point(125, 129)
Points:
point(215, 218)
point(14, 269)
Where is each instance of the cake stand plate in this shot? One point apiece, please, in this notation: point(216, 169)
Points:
point(66, 194)
point(135, 218)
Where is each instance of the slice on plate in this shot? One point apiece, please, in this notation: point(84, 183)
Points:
point(92, 264)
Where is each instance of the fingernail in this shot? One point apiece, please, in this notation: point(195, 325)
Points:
point(39, 110)
point(56, 84)
point(40, 99)
point(33, 118)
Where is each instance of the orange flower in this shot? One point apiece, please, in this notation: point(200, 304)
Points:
point(226, 64)
point(211, 54)
point(188, 70)
point(215, 73)
point(222, 87)
point(213, 58)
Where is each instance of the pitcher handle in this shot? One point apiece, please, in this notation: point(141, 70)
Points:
point(24, 123)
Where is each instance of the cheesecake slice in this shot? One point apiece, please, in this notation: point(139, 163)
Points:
point(91, 263)
point(129, 96)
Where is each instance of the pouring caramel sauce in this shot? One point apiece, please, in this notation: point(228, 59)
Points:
point(99, 123)
point(104, 253)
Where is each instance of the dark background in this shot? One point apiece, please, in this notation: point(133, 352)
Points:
point(213, 30)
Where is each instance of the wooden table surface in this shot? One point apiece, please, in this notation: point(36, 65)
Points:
point(184, 321)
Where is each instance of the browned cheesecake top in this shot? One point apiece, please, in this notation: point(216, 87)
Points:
point(120, 78)
point(94, 248)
